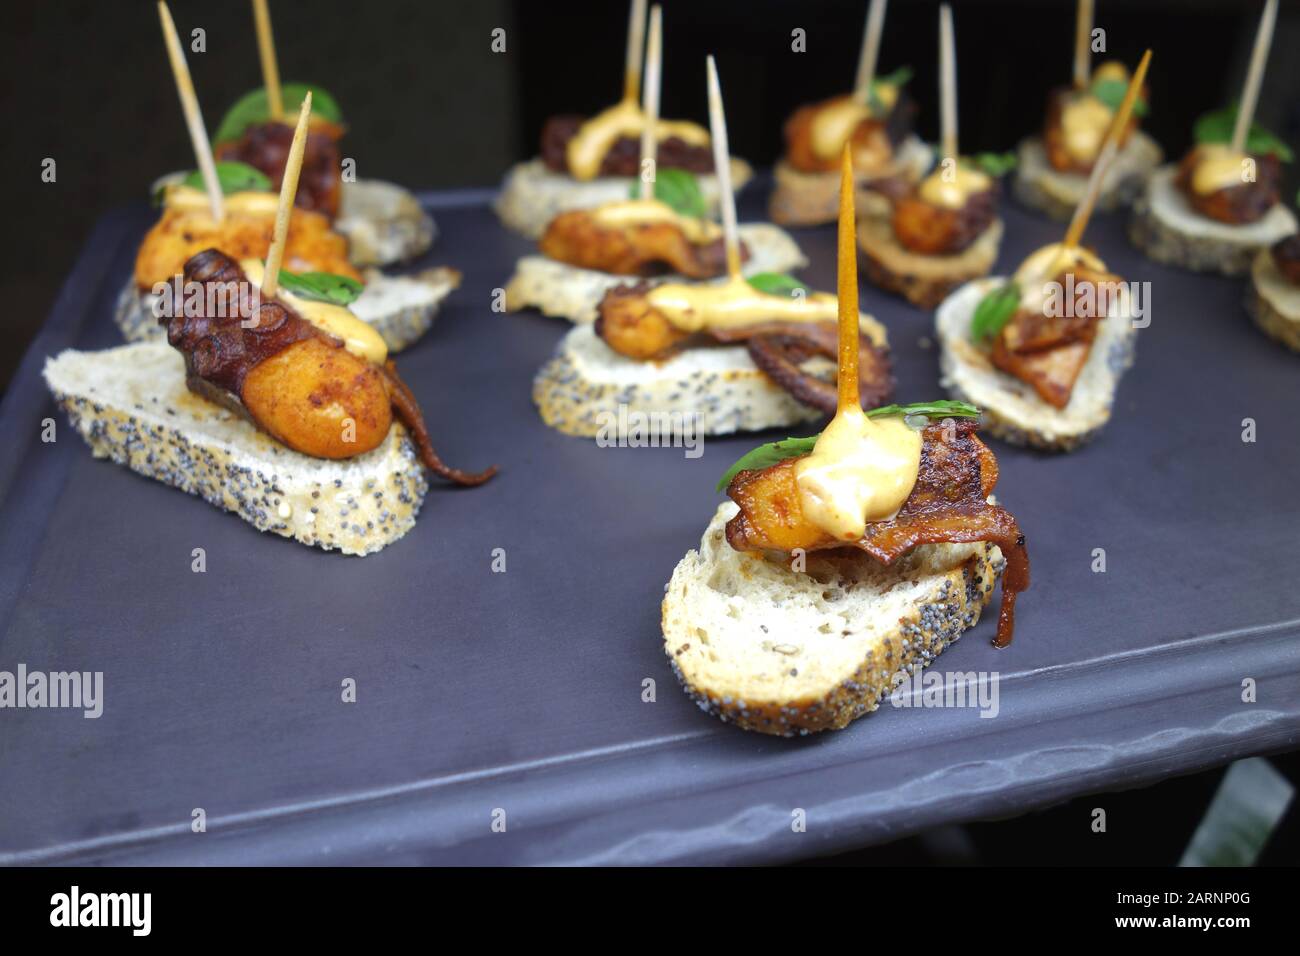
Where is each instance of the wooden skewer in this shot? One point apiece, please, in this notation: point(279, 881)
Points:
point(1083, 212)
point(288, 192)
point(635, 47)
point(722, 163)
point(193, 115)
point(847, 289)
point(650, 102)
point(947, 83)
point(266, 51)
point(1254, 77)
point(1082, 42)
point(870, 52)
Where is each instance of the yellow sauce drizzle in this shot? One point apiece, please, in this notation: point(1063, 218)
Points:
point(951, 188)
point(594, 138)
point(630, 212)
point(249, 203)
point(734, 303)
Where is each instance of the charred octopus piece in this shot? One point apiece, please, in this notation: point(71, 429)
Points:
point(635, 249)
point(265, 146)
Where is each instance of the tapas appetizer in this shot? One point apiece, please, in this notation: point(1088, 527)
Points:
point(875, 119)
point(1053, 170)
point(585, 162)
point(1217, 209)
point(843, 561)
point(1042, 353)
point(266, 402)
point(238, 216)
point(733, 356)
point(663, 234)
point(945, 230)
point(1274, 297)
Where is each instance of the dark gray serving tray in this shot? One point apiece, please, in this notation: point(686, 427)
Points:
point(522, 691)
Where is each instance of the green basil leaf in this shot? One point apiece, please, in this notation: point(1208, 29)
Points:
point(1112, 92)
point(765, 456)
point(233, 177)
point(1216, 127)
point(896, 79)
point(776, 283)
point(252, 108)
point(677, 189)
point(941, 408)
point(993, 164)
point(321, 286)
point(993, 312)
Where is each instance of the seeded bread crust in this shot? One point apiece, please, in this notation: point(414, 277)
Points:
point(565, 291)
point(1041, 186)
point(810, 199)
point(1273, 302)
point(789, 653)
point(533, 195)
point(925, 281)
point(384, 223)
point(131, 405)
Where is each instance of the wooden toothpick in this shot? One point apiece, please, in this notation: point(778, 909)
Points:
point(288, 192)
point(193, 115)
point(635, 47)
point(947, 83)
point(1254, 76)
point(1082, 44)
point(722, 162)
point(870, 53)
point(266, 52)
point(650, 104)
point(1083, 212)
point(847, 289)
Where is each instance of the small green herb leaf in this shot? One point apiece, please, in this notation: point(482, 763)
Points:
point(678, 189)
point(252, 108)
point(1217, 127)
point(321, 286)
point(942, 408)
point(1111, 92)
point(993, 164)
point(896, 79)
point(993, 312)
point(234, 177)
point(777, 283)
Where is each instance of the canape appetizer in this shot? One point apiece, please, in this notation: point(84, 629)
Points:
point(1218, 208)
point(844, 560)
point(588, 161)
point(875, 120)
point(735, 356)
point(236, 213)
point(1053, 170)
point(268, 403)
point(1273, 300)
point(1042, 354)
point(662, 233)
point(945, 230)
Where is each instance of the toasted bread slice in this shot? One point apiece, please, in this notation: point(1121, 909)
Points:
point(130, 404)
point(1273, 302)
point(532, 195)
point(1168, 229)
point(401, 308)
point(1011, 409)
point(385, 223)
point(1041, 186)
point(788, 652)
point(923, 280)
point(559, 289)
point(810, 199)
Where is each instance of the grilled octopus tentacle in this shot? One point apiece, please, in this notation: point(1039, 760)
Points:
point(408, 410)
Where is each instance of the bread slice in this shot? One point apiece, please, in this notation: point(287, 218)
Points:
point(1040, 185)
point(923, 280)
point(1168, 229)
point(532, 195)
point(790, 652)
point(401, 308)
point(130, 404)
point(1273, 302)
point(559, 289)
point(1011, 409)
point(385, 223)
point(810, 199)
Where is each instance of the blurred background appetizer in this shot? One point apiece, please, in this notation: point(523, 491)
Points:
point(944, 230)
point(843, 560)
point(588, 161)
point(875, 120)
point(1273, 299)
point(1042, 353)
point(1053, 170)
point(266, 400)
point(661, 232)
point(1221, 205)
point(738, 355)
